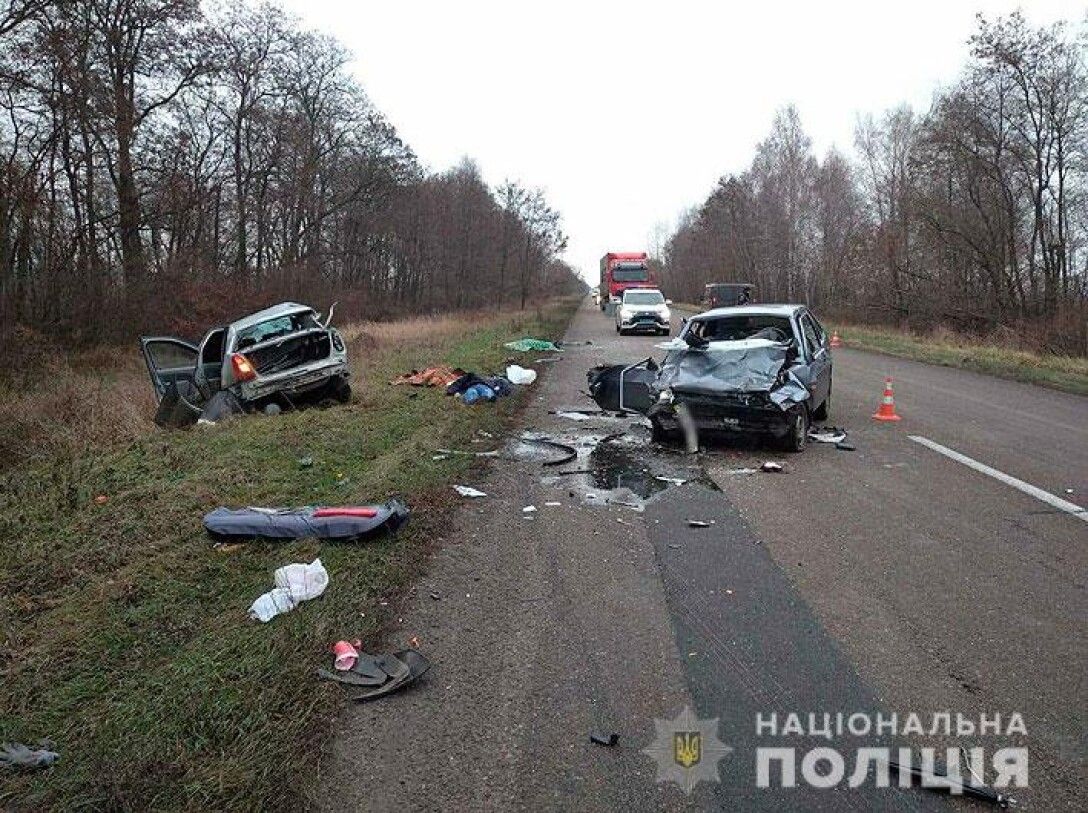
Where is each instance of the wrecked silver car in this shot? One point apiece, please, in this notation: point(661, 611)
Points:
point(763, 369)
point(269, 360)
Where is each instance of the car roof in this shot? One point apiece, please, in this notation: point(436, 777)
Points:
point(282, 309)
point(751, 310)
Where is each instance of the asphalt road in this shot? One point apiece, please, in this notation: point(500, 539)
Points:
point(890, 579)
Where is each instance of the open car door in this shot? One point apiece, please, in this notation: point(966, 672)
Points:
point(171, 363)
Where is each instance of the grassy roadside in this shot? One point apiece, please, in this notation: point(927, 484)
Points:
point(1065, 373)
point(125, 633)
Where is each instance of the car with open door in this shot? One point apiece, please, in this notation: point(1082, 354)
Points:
point(281, 355)
point(754, 369)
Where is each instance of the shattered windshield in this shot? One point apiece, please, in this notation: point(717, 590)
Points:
point(276, 327)
point(643, 298)
point(747, 326)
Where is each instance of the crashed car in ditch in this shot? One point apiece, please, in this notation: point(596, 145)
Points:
point(269, 360)
point(754, 369)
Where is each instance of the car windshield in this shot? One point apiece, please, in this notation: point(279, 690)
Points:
point(747, 326)
point(643, 298)
point(274, 328)
point(629, 274)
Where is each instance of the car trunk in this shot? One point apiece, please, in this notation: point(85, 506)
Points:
point(293, 351)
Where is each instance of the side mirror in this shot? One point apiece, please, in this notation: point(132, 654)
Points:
point(668, 301)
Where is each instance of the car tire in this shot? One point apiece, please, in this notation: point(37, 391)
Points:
point(824, 410)
point(796, 436)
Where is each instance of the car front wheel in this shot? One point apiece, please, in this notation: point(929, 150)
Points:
point(796, 429)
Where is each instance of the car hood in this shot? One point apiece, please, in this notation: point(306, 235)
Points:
point(661, 308)
point(751, 365)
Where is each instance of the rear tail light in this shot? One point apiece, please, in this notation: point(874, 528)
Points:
point(242, 368)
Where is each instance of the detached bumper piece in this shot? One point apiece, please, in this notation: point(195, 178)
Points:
point(347, 523)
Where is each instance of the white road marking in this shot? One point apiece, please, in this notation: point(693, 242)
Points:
point(1007, 479)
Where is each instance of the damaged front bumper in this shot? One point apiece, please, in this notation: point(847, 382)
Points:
point(752, 413)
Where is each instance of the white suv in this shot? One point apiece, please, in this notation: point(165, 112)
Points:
point(643, 309)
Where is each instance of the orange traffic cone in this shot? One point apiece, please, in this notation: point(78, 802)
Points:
point(835, 340)
point(887, 404)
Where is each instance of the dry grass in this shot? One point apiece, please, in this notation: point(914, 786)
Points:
point(126, 640)
point(65, 405)
point(998, 356)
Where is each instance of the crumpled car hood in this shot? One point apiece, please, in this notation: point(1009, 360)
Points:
point(749, 365)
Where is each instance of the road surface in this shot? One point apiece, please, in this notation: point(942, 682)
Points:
point(891, 579)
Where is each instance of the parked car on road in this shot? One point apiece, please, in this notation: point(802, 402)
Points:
point(279, 356)
point(757, 369)
point(643, 309)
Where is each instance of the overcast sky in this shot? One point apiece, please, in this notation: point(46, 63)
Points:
point(627, 113)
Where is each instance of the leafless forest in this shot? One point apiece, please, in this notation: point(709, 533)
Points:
point(165, 163)
point(973, 215)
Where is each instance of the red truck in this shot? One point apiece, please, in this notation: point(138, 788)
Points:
point(621, 270)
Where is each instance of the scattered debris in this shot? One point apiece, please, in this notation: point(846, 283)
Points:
point(676, 481)
point(381, 674)
point(469, 491)
point(607, 740)
point(441, 376)
point(572, 415)
point(548, 359)
point(552, 504)
point(673, 546)
point(520, 375)
point(101, 499)
point(940, 780)
point(827, 434)
point(534, 448)
point(529, 509)
point(742, 471)
point(527, 344)
point(295, 583)
point(846, 447)
point(435, 595)
point(228, 547)
point(771, 467)
point(17, 756)
point(447, 452)
point(699, 523)
point(472, 387)
point(339, 522)
point(345, 654)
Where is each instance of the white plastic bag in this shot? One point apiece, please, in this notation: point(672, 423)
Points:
point(520, 375)
point(295, 583)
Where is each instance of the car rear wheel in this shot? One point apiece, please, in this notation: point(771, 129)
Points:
point(797, 429)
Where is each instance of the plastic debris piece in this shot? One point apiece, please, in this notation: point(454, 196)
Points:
point(771, 467)
point(607, 740)
point(742, 471)
point(527, 344)
point(520, 375)
point(846, 447)
point(553, 504)
point(306, 462)
point(17, 756)
point(529, 509)
point(345, 655)
point(295, 583)
point(699, 523)
point(469, 491)
point(676, 481)
point(827, 434)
